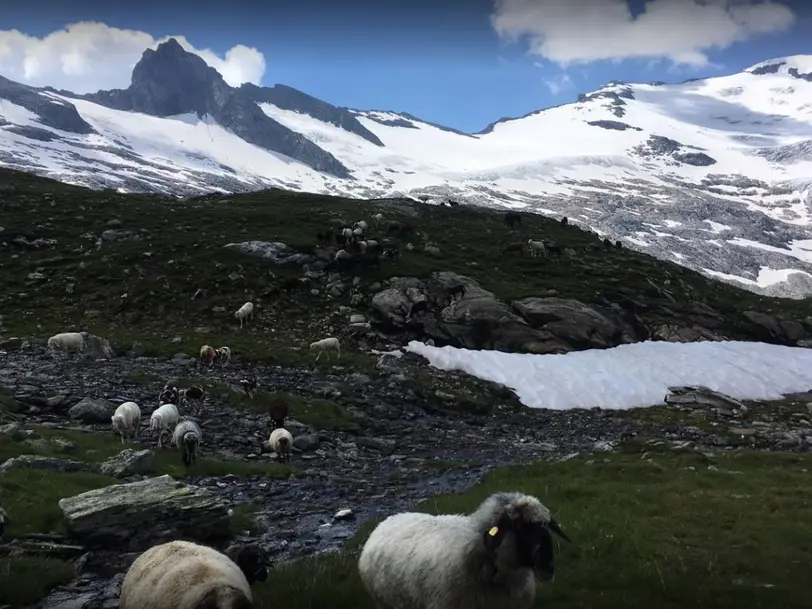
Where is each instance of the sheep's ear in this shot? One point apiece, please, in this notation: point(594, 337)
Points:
point(556, 528)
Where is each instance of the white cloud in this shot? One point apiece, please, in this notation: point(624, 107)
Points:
point(557, 85)
point(580, 31)
point(88, 56)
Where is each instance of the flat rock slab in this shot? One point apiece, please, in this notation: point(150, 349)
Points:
point(141, 514)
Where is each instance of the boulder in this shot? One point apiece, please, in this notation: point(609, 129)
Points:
point(50, 463)
point(92, 410)
point(129, 463)
point(142, 514)
point(775, 328)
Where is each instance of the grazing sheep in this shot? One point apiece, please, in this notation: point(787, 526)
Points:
point(362, 225)
point(187, 437)
point(377, 219)
point(185, 575)
point(342, 255)
point(67, 342)
point(249, 385)
point(564, 221)
point(278, 411)
point(358, 232)
point(208, 354)
point(169, 394)
point(281, 442)
point(490, 559)
point(126, 421)
point(324, 345)
point(536, 248)
point(4, 518)
point(195, 392)
point(512, 219)
point(223, 353)
point(245, 312)
point(516, 246)
point(346, 233)
point(163, 419)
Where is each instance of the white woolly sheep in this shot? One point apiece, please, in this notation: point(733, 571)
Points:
point(163, 420)
point(358, 232)
point(362, 225)
point(346, 233)
point(378, 219)
point(489, 559)
point(245, 312)
point(342, 255)
point(281, 442)
point(67, 342)
point(223, 353)
point(324, 344)
point(185, 575)
point(187, 437)
point(126, 421)
point(536, 248)
point(208, 354)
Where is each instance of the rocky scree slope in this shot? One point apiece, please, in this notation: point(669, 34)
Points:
point(731, 200)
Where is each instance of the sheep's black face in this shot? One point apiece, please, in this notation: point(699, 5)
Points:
point(534, 544)
point(253, 562)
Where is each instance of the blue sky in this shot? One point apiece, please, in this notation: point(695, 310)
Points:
point(442, 61)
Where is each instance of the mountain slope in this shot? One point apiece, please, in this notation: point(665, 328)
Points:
point(714, 174)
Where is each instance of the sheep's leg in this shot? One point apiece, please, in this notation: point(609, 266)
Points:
point(319, 355)
point(338, 349)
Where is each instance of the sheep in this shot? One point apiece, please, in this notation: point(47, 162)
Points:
point(187, 437)
point(245, 312)
point(536, 248)
point(208, 354)
point(248, 385)
point(516, 246)
point(619, 244)
point(278, 411)
point(362, 225)
point(195, 392)
point(377, 219)
point(346, 233)
point(67, 342)
point(324, 344)
point(458, 289)
point(169, 395)
point(490, 559)
point(342, 255)
point(281, 442)
point(185, 575)
point(4, 518)
point(564, 221)
point(358, 232)
point(223, 353)
point(126, 420)
point(512, 219)
point(163, 419)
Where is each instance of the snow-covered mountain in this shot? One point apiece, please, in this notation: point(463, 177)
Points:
point(714, 174)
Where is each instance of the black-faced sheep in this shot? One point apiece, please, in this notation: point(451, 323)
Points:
point(185, 575)
point(249, 385)
point(170, 394)
point(195, 392)
point(67, 342)
point(163, 419)
point(324, 345)
point(187, 437)
point(126, 421)
point(245, 312)
point(490, 559)
point(281, 442)
point(223, 355)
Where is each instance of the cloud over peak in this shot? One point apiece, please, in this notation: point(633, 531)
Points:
point(580, 31)
point(87, 56)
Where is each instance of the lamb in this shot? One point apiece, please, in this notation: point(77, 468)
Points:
point(281, 442)
point(208, 354)
point(185, 575)
point(245, 312)
point(187, 437)
point(223, 353)
point(248, 385)
point(536, 248)
point(490, 559)
point(324, 344)
point(126, 420)
point(67, 342)
point(163, 419)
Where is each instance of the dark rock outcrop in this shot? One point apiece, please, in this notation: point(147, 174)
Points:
point(53, 113)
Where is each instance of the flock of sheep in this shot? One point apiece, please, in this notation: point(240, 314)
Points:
point(492, 558)
point(489, 559)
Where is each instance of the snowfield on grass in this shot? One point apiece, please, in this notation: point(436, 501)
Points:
point(635, 375)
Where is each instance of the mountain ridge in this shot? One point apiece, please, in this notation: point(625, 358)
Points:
point(714, 173)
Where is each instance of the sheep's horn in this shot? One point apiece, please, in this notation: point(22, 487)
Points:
point(556, 528)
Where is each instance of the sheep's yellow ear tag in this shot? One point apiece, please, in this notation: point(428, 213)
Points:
point(493, 531)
